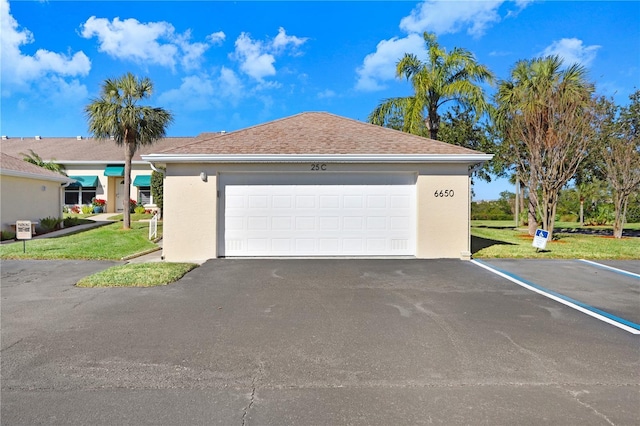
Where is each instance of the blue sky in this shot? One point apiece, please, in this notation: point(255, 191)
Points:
point(226, 65)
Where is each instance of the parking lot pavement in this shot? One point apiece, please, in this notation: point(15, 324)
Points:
point(615, 292)
point(307, 342)
point(632, 266)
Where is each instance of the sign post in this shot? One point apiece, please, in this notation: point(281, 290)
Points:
point(23, 232)
point(540, 239)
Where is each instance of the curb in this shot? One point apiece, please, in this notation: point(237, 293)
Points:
point(142, 253)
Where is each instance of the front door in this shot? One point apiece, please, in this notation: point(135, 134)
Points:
point(120, 196)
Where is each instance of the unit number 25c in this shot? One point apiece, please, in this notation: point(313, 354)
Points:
point(443, 193)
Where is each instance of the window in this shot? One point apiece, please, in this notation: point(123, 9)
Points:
point(144, 195)
point(79, 195)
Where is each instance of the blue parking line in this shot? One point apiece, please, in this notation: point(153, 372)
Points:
point(561, 297)
point(611, 268)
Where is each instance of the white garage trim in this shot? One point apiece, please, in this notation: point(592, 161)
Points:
point(317, 214)
point(308, 158)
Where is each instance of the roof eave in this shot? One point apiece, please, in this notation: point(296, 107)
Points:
point(329, 158)
point(16, 173)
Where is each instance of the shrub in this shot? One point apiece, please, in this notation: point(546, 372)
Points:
point(157, 188)
point(71, 221)
point(7, 235)
point(49, 224)
point(76, 209)
point(87, 209)
point(139, 210)
point(568, 218)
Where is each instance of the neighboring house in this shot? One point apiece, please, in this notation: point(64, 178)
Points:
point(316, 184)
point(96, 167)
point(28, 192)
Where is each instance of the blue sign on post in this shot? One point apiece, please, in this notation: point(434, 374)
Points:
point(540, 239)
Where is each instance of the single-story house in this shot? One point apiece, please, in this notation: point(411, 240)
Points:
point(95, 166)
point(28, 192)
point(316, 184)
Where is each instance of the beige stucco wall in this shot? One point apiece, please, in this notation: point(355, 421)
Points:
point(28, 199)
point(443, 222)
point(190, 206)
point(189, 213)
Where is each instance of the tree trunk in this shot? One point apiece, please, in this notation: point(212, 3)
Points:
point(129, 149)
point(522, 207)
point(533, 207)
point(516, 203)
point(433, 123)
point(620, 202)
point(581, 212)
point(550, 204)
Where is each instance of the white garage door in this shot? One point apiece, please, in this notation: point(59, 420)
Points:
point(317, 214)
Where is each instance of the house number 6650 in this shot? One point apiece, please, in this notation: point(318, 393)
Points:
point(318, 167)
point(444, 193)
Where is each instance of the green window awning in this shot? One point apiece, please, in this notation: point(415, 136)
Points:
point(142, 180)
point(114, 171)
point(84, 181)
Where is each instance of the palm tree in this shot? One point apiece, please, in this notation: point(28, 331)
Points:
point(117, 114)
point(34, 158)
point(444, 77)
point(545, 111)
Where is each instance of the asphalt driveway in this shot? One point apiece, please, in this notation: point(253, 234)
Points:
point(323, 342)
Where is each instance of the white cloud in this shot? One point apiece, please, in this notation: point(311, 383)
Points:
point(149, 43)
point(201, 92)
point(282, 40)
point(216, 38)
point(257, 57)
point(572, 51)
point(444, 17)
point(230, 85)
point(19, 71)
point(439, 17)
point(381, 65)
point(254, 61)
point(67, 92)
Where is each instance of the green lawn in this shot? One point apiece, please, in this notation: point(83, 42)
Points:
point(134, 217)
point(109, 242)
point(138, 275)
point(511, 243)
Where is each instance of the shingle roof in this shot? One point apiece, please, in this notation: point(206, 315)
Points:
point(15, 166)
point(63, 150)
point(315, 133)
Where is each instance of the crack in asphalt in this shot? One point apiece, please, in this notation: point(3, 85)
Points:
point(576, 394)
point(252, 396)
point(11, 345)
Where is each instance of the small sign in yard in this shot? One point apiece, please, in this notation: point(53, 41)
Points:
point(23, 229)
point(540, 239)
point(23, 232)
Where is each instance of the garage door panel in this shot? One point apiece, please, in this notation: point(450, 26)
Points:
point(302, 219)
point(281, 201)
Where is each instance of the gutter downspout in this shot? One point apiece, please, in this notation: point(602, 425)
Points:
point(61, 192)
point(153, 167)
